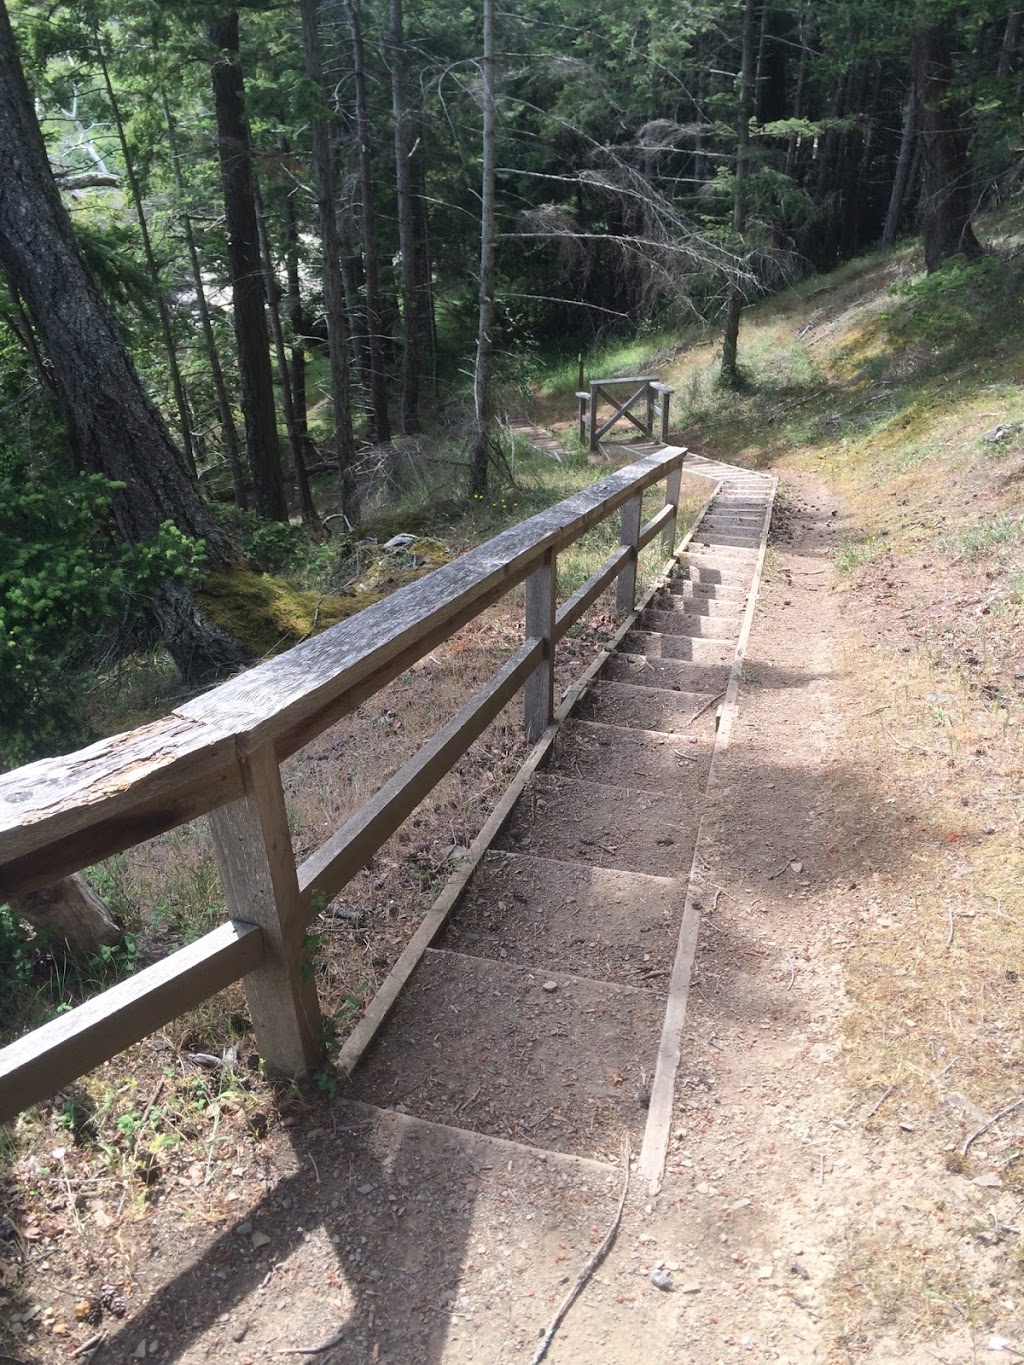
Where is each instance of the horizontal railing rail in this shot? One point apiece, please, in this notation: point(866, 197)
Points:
point(220, 754)
point(654, 396)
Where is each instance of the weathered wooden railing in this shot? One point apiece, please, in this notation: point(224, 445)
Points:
point(220, 755)
point(644, 391)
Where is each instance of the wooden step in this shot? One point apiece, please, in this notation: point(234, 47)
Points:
point(696, 604)
point(646, 708)
point(735, 555)
point(692, 622)
point(631, 757)
point(692, 648)
point(599, 824)
point(666, 673)
point(589, 921)
point(735, 594)
point(540, 1057)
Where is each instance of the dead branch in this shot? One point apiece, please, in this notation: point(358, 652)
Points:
point(588, 1270)
point(1003, 1113)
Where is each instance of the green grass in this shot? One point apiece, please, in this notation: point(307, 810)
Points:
point(558, 377)
point(978, 542)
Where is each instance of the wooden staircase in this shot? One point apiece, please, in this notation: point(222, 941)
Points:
point(549, 1013)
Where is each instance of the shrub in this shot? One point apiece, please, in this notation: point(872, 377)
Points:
point(66, 584)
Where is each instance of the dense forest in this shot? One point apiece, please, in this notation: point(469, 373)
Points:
point(248, 253)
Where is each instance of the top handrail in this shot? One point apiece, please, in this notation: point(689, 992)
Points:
point(87, 805)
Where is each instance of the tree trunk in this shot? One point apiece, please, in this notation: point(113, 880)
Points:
point(71, 913)
point(257, 382)
point(296, 315)
point(272, 290)
point(229, 433)
point(412, 321)
point(1011, 41)
point(177, 384)
point(334, 291)
point(378, 421)
point(484, 371)
point(734, 303)
point(901, 178)
point(112, 424)
point(945, 209)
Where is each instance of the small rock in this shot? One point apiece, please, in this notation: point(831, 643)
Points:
point(766, 1272)
point(366, 1188)
point(1001, 1344)
point(239, 1333)
point(988, 1181)
point(140, 1351)
point(259, 1239)
point(689, 1289)
point(660, 1280)
point(550, 986)
point(797, 1269)
point(797, 867)
point(244, 1229)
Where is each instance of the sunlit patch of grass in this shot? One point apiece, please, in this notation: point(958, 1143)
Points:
point(850, 555)
point(987, 538)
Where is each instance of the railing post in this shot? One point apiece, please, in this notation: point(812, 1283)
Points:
point(257, 867)
point(583, 399)
point(625, 591)
point(650, 411)
point(672, 486)
point(593, 418)
point(666, 395)
point(539, 691)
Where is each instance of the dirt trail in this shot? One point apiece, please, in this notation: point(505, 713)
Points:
point(382, 1230)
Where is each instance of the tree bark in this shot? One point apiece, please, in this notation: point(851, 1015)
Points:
point(296, 314)
point(256, 378)
point(112, 424)
point(734, 303)
point(272, 290)
point(71, 913)
point(945, 209)
point(334, 290)
point(412, 320)
point(229, 432)
point(1011, 42)
point(378, 421)
point(484, 370)
point(901, 178)
point(170, 350)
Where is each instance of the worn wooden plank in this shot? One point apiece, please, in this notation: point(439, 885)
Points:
point(586, 595)
point(276, 697)
point(257, 867)
point(655, 526)
point(335, 862)
point(673, 485)
point(109, 796)
point(633, 379)
point(625, 591)
point(539, 690)
point(622, 410)
point(37, 1065)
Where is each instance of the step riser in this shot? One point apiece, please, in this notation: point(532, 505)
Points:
point(646, 708)
point(687, 623)
point(633, 759)
point(687, 648)
point(667, 674)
